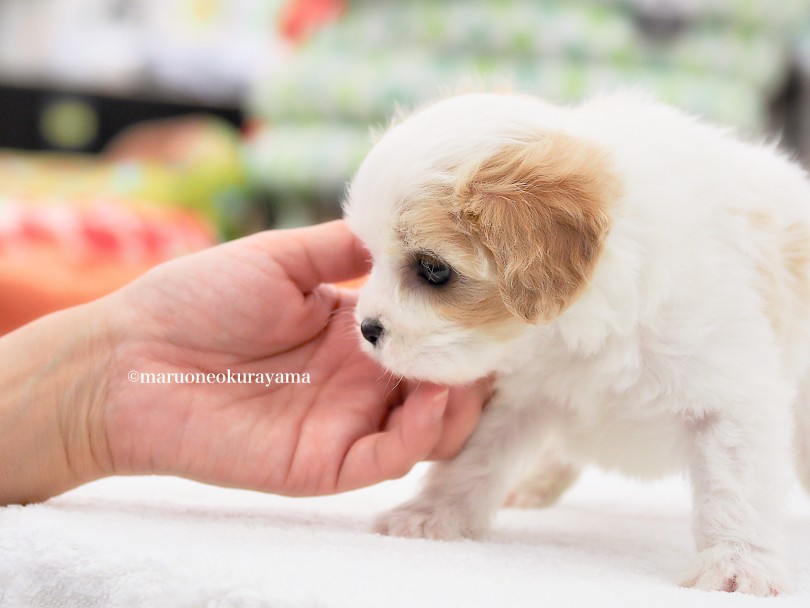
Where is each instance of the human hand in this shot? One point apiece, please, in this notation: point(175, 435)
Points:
point(259, 305)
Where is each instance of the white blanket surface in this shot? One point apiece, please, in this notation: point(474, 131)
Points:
point(163, 542)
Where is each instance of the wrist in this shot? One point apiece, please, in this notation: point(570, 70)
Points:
point(52, 403)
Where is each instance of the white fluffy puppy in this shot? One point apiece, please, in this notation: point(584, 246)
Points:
point(637, 282)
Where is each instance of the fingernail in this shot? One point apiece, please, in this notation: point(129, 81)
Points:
point(440, 404)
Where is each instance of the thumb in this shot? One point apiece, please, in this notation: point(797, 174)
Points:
point(325, 253)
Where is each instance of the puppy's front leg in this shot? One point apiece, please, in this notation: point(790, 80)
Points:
point(460, 497)
point(739, 482)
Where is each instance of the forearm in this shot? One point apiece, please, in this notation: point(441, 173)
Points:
point(50, 398)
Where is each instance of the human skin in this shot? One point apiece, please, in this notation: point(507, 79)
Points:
point(69, 413)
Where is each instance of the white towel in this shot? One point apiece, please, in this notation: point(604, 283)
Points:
point(164, 542)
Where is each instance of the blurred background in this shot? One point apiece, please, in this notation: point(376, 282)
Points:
point(132, 131)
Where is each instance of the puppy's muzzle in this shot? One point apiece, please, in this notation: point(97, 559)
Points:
point(372, 330)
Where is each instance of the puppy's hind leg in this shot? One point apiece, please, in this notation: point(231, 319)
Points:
point(550, 475)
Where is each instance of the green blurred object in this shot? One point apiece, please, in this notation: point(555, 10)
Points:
point(193, 161)
point(336, 87)
point(70, 124)
point(723, 60)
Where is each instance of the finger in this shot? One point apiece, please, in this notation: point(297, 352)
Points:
point(325, 253)
point(464, 408)
point(391, 453)
point(394, 418)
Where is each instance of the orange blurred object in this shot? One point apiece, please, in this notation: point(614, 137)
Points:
point(43, 285)
point(58, 254)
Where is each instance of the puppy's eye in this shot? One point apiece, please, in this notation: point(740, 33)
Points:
point(433, 270)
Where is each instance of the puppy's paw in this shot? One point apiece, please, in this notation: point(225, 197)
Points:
point(735, 568)
point(436, 521)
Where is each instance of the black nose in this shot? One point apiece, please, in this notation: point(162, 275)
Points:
point(371, 329)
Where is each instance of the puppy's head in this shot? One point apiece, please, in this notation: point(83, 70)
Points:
point(482, 217)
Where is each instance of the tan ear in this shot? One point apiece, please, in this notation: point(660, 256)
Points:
point(541, 211)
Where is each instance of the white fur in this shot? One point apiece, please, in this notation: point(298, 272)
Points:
point(666, 362)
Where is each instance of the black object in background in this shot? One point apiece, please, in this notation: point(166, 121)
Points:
point(47, 119)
